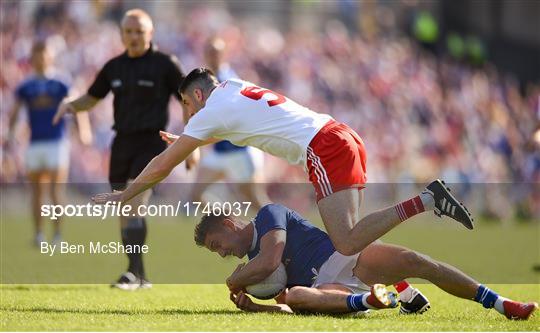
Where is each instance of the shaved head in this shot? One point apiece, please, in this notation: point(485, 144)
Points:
point(137, 31)
point(140, 15)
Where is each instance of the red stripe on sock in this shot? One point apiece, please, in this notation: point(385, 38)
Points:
point(402, 285)
point(410, 208)
point(372, 302)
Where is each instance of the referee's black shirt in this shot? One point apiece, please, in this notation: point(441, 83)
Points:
point(142, 87)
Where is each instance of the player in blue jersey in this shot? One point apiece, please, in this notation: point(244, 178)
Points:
point(47, 157)
point(224, 160)
point(322, 280)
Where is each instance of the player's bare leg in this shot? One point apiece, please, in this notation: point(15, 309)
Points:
point(335, 298)
point(350, 234)
point(255, 193)
point(385, 263)
point(205, 177)
point(36, 179)
point(329, 298)
point(412, 300)
point(337, 211)
point(57, 188)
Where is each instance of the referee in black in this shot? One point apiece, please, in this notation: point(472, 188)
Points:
point(142, 80)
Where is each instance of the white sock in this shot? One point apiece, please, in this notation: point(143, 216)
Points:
point(406, 295)
point(427, 201)
point(499, 304)
point(365, 302)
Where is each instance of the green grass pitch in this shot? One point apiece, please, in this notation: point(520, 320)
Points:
point(207, 308)
point(188, 293)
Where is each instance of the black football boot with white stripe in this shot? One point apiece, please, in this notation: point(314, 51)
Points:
point(127, 281)
point(446, 204)
point(417, 304)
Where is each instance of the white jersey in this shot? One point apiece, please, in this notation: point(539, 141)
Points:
point(248, 115)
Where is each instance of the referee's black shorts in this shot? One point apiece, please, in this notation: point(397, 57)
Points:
point(130, 153)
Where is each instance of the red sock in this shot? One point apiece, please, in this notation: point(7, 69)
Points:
point(409, 208)
point(401, 285)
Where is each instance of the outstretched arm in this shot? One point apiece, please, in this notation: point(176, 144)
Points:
point(12, 118)
point(158, 168)
point(170, 138)
point(243, 302)
point(83, 103)
point(84, 128)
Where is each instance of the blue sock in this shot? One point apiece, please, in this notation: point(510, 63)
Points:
point(486, 296)
point(354, 302)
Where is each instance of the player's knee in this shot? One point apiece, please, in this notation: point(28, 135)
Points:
point(55, 194)
point(294, 295)
point(296, 298)
point(416, 260)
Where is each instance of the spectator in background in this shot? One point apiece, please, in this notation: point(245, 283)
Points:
point(453, 117)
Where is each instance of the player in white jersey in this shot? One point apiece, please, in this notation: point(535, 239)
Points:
point(331, 152)
point(241, 166)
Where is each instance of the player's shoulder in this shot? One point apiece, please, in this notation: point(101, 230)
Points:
point(272, 209)
point(162, 55)
point(118, 58)
point(166, 57)
point(234, 83)
point(27, 83)
point(273, 206)
point(237, 82)
point(271, 216)
point(228, 89)
point(114, 61)
point(222, 94)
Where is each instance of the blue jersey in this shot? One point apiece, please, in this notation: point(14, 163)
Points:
point(307, 247)
point(41, 96)
point(225, 146)
point(225, 72)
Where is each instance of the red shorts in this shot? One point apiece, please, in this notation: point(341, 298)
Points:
point(336, 159)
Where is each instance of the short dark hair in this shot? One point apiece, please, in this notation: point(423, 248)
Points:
point(207, 224)
point(201, 76)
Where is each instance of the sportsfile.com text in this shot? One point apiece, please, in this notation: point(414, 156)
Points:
point(116, 209)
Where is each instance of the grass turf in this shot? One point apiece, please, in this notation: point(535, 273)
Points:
point(207, 308)
point(188, 294)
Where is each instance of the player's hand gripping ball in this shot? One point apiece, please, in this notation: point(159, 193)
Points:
point(270, 287)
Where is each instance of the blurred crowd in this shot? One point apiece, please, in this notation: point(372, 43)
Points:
point(421, 115)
